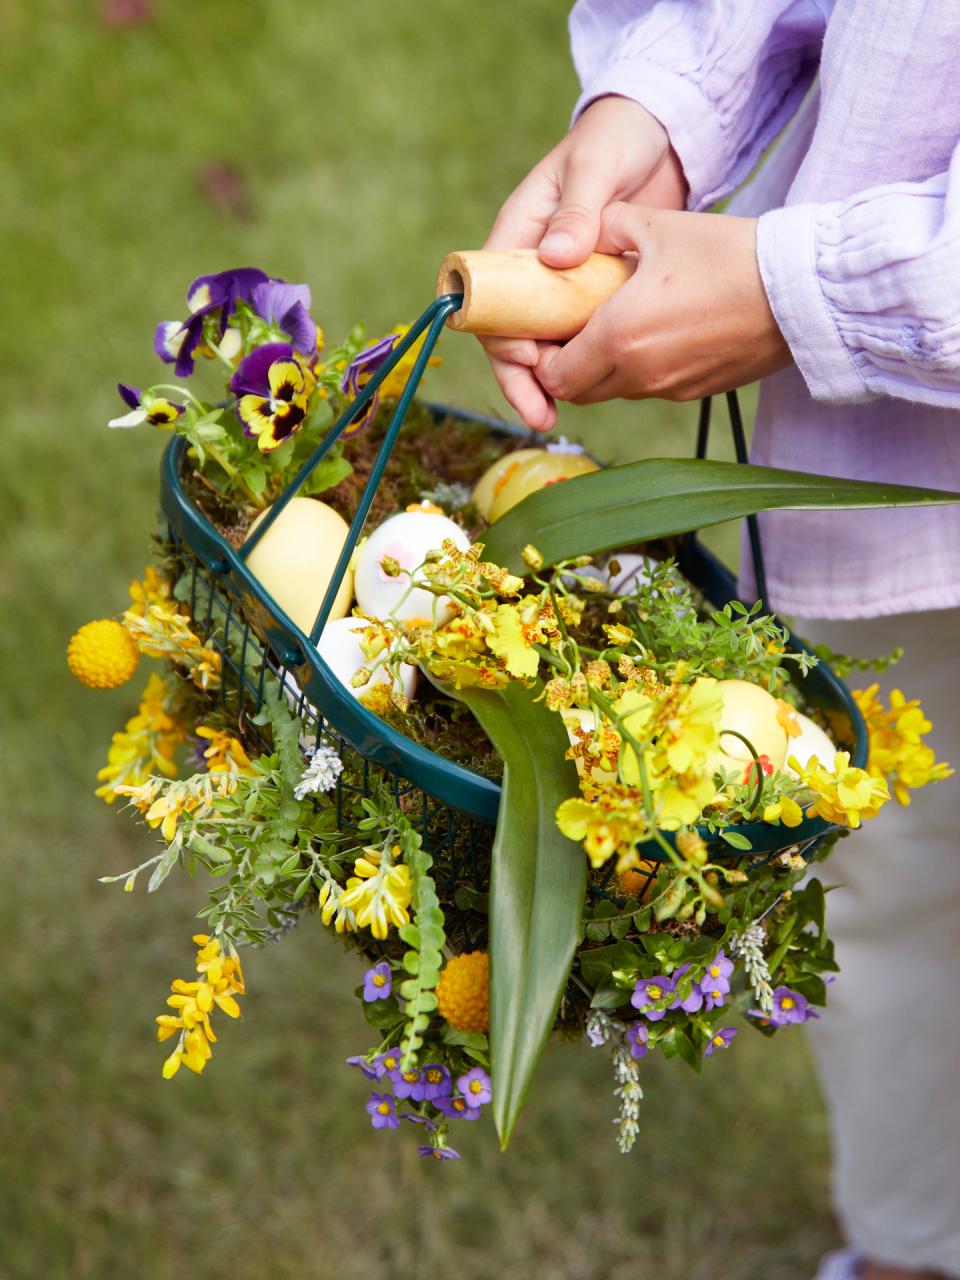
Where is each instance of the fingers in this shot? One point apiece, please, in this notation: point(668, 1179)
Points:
point(572, 231)
point(571, 371)
point(524, 215)
point(522, 390)
point(523, 351)
point(624, 227)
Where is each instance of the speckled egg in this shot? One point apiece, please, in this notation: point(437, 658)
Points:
point(536, 473)
point(497, 475)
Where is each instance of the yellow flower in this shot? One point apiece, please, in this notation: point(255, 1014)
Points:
point(463, 992)
point(163, 632)
point(154, 589)
point(396, 380)
point(844, 795)
point(103, 654)
point(897, 750)
point(785, 810)
point(220, 980)
point(379, 891)
point(788, 719)
point(145, 746)
point(608, 821)
point(225, 753)
point(510, 642)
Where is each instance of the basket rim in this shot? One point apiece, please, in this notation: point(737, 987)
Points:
point(444, 780)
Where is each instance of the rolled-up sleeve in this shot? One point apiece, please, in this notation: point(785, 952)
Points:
point(722, 76)
point(867, 290)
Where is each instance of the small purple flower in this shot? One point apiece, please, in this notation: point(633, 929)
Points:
point(367, 1068)
point(693, 1001)
point(638, 1040)
point(439, 1153)
point(650, 992)
point(176, 343)
point(376, 983)
point(715, 1000)
point(716, 980)
point(475, 1087)
point(288, 307)
point(790, 1007)
point(405, 1083)
point(382, 1112)
point(359, 372)
point(415, 1117)
point(434, 1083)
point(385, 1064)
point(720, 1040)
point(456, 1108)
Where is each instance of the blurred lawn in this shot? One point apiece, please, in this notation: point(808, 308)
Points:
point(355, 144)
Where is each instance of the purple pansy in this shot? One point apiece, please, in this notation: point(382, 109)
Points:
point(716, 980)
point(439, 1153)
point(252, 377)
point(475, 1087)
point(376, 982)
point(638, 1040)
point(359, 372)
point(456, 1108)
point(175, 343)
point(367, 1068)
point(719, 1040)
point(789, 1007)
point(650, 992)
point(288, 307)
point(385, 1064)
point(382, 1113)
point(434, 1083)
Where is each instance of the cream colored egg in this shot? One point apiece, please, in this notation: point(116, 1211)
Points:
point(296, 557)
point(813, 741)
point(497, 475)
point(339, 646)
point(536, 473)
point(752, 712)
point(405, 538)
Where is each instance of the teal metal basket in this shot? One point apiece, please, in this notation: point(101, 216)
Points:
point(454, 808)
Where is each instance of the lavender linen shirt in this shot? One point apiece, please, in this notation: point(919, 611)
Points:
point(859, 249)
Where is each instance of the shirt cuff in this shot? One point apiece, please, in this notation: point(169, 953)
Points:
point(787, 254)
point(688, 117)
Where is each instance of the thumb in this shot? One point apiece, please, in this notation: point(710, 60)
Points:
point(624, 227)
point(571, 234)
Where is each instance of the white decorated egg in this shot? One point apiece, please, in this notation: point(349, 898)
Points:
point(339, 646)
point(752, 712)
point(405, 538)
point(813, 741)
point(497, 475)
point(295, 559)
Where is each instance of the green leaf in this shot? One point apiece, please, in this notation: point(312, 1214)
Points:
point(638, 501)
point(735, 839)
point(537, 886)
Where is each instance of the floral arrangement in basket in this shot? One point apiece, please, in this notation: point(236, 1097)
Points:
point(540, 633)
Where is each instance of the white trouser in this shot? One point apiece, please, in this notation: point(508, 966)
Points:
point(888, 1045)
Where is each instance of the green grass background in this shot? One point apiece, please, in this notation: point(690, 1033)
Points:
point(371, 138)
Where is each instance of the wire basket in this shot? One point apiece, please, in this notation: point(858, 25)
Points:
point(453, 807)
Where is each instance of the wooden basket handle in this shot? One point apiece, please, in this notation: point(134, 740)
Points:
point(512, 294)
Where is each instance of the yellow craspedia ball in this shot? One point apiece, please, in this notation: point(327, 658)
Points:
point(103, 654)
point(463, 992)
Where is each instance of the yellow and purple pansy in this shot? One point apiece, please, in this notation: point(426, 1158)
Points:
point(286, 310)
point(153, 410)
point(359, 372)
point(273, 391)
point(176, 342)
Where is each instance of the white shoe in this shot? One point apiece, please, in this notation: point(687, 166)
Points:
point(844, 1265)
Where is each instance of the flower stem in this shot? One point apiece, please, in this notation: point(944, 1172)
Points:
point(235, 476)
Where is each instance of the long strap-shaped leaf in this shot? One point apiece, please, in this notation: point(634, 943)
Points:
point(661, 496)
point(537, 886)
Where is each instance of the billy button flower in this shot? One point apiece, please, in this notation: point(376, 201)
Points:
point(103, 654)
point(275, 409)
point(463, 992)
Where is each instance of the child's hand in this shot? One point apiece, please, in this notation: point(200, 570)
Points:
point(616, 151)
point(692, 321)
